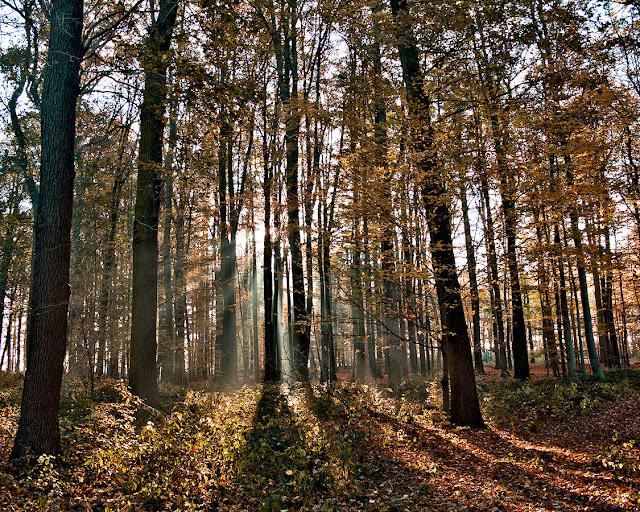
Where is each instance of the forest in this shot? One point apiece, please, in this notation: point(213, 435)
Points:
point(324, 255)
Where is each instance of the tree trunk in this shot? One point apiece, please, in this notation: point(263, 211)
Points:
point(496, 303)
point(168, 331)
point(473, 282)
point(564, 307)
point(143, 371)
point(254, 308)
point(38, 428)
point(582, 278)
point(8, 245)
point(180, 283)
point(357, 309)
point(107, 275)
point(410, 305)
point(548, 332)
point(607, 302)
point(465, 407)
point(508, 193)
point(371, 330)
point(271, 371)
point(289, 97)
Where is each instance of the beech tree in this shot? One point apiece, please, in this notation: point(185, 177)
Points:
point(465, 407)
point(143, 372)
point(394, 143)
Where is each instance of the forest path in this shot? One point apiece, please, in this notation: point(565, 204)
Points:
point(549, 446)
point(401, 462)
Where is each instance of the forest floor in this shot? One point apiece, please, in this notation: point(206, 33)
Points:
point(550, 445)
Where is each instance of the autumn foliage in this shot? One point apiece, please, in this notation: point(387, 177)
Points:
point(550, 445)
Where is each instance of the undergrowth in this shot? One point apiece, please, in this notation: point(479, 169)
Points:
point(511, 404)
point(265, 448)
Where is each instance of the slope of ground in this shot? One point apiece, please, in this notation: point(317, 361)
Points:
point(550, 445)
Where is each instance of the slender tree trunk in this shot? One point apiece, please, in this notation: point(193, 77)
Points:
point(180, 283)
point(168, 332)
point(564, 307)
point(576, 308)
point(492, 256)
point(227, 340)
point(107, 275)
point(371, 331)
point(549, 336)
point(271, 371)
point(603, 340)
point(582, 277)
point(254, 308)
point(410, 305)
point(390, 288)
point(625, 334)
point(358, 304)
point(8, 246)
point(324, 349)
point(425, 327)
point(473, 282)
point(289, 97)
point(508, 192)
point(607, 300)
point(7, 338)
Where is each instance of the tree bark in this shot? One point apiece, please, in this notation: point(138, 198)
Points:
point(143, 371)
point(564, 307)
point(496, 303)
point(38, 428)
point(168, 332)
point(465, 407)
point(271, 370)
point(180, 284)
point(107, 275)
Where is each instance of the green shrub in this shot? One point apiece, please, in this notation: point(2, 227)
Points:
point(621, 457)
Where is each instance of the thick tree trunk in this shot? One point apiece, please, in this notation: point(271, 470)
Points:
point(465, 407)
point(38, 428)
point(143, 372)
